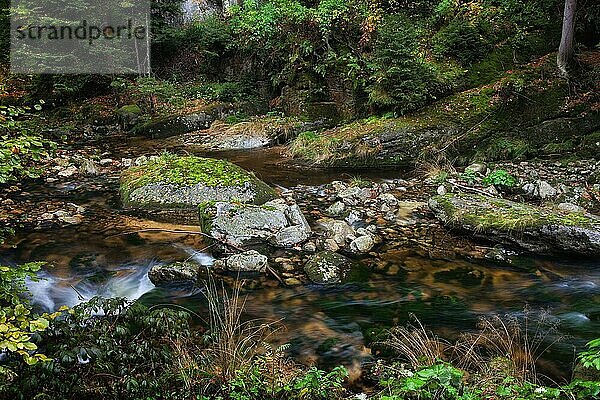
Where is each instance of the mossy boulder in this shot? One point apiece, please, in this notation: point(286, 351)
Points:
point(328, 267)
point(175, 125)
point(129, 116)
point(171, 187)
point(535, 229)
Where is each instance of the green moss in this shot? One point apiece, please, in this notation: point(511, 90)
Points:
point(485, 214)
point(171, 169)
point(129, 109)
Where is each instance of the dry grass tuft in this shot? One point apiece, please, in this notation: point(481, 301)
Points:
point(420, 347)
point(232, 342)
point(519, 343)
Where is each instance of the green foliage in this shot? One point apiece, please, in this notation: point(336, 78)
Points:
point(462, 41)
point(20, 147)
point(469, 176)
point(225, 91)
point(500, 178)
point(440, 381)
point(441, 177)
point(255, 384)
point(18, 324)
point(590, 358)
point(163, 90)
point(401, 80)
point(124, 354)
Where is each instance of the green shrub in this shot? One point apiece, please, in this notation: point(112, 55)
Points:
point(501, 178)
point(462, 41)
point(21, 148)
point(18, 323)
point(108, 349)
point(401, 78)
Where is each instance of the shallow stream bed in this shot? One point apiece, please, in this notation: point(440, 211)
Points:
point(327, 325)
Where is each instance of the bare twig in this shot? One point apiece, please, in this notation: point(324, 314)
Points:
point(483, 192)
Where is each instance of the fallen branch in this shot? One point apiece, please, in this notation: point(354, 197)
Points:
point(276, 275)
point(472, 189)
point(164, 230)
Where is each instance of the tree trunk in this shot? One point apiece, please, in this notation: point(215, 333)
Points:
point(567, 41)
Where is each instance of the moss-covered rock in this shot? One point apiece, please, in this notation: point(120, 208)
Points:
point(536, 229)
point(129, 116)
point(167, 126)
point(172, 187)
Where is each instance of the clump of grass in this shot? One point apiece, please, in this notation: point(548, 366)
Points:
point(435, 166)
point(231, 342)
point(509, 344)
point(314, 147)
point(420, 347)
point(277, 127)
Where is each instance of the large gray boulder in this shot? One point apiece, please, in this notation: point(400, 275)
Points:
point(276, 223)
point(171, 188)
point(327, 267)
point(536, 229)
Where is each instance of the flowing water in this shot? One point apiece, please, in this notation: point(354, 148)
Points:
point(328, 325)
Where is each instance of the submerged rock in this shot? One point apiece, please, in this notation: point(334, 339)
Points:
point(179, 272)
point(327, 267)
point(536, 229)
point(275, 222)
point(171, 187)
point(249, 261)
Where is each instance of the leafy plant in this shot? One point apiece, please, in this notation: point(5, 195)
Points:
point(438, 381)
point(108, 348)
point(253, 384)
point(501, 178)
point(20, 148)
point(441, 177)
point(590, 358)
point(469, 176)
point(18, 324)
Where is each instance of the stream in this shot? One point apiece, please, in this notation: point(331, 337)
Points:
point(326, 325)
